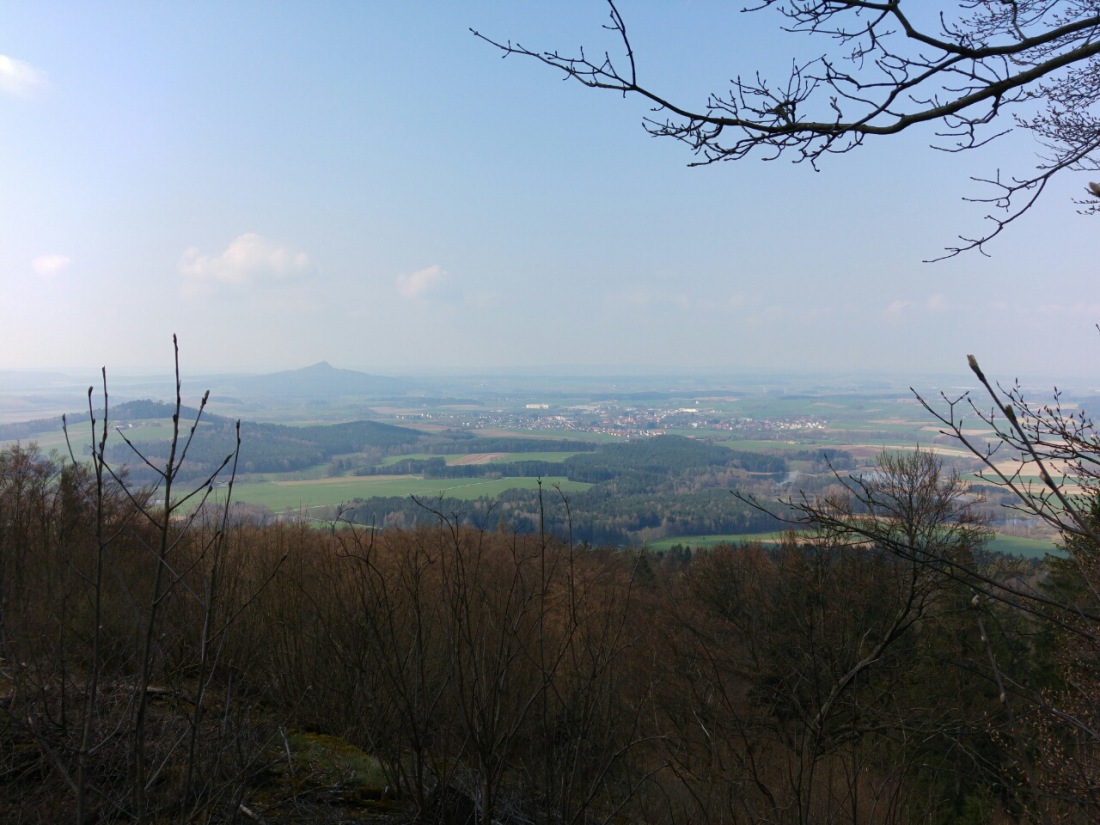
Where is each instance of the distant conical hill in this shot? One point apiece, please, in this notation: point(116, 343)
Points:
point(318, 380)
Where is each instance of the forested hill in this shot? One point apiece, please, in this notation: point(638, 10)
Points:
point(264, 447)
point(146, 409)
point(321, 380)
point(665, 464)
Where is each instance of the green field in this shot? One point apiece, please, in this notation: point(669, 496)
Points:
point(503, 458)
point(80, 433)
point(48, 442)
point(1017, 546)
point(699, 542)
point(758, 446)
point(1001, 543)
point(394, 459)
point(508, 457)
point(281, 495)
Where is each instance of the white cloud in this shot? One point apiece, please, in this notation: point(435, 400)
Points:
point(250, 258)
point(416, 284)
point(647, 297)
point(19, 79)
point(1079, 309)
point(735, 302)
point(487, 299)
point(47, 266)
point(934, 303)
point(634, 297)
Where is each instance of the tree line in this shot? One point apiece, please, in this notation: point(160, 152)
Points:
point(600, 516)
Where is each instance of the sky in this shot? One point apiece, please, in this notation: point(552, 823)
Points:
point(367, 183)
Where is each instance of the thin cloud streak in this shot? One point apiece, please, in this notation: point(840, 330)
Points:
point(49, 266)
point(420, 283)
point(20, 79)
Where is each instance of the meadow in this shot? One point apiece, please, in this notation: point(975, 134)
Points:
point(1000, 543)
point(471, 458)
point(306, 493)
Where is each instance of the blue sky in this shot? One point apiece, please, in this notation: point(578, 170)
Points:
point(366, 183)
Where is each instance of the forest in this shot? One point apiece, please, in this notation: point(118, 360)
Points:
point(163, 660)
point(661, 485)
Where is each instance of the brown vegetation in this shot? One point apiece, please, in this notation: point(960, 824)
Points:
point(493, 676)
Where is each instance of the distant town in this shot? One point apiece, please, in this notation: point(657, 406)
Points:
point(615, 419)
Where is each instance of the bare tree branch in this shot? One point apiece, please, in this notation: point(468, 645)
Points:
point(977, 69)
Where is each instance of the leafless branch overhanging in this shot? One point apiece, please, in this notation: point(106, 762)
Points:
point(977, 69)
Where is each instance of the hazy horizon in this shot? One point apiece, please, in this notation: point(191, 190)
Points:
point(657, 377)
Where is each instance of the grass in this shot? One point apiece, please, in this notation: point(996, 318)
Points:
point(700, 542)
point(504, 458)
point(282, 495)
point(50, 441)
point(1001, 543)
point(315, 777)
point(315, 753)
point(1019, 546)
point(395, 459)
point(508, 457)
point(760, 446)
point(80, 434)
